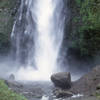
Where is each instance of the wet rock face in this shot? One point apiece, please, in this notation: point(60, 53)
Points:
point(62, 80)
point(87, 84)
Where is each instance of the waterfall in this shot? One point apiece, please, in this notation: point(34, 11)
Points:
point(37, 37)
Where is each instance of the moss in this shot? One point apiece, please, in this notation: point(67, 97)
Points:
point(7, 94)
point(97, 94)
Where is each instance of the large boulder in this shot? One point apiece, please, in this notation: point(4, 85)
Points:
point(62, 80)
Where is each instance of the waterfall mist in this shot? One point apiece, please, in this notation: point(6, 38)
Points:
point(37, 37)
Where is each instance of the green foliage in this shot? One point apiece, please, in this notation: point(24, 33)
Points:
point(78, 2)
point(7, 4)
point(87, 31)
point(7, 94)
point(90, 11)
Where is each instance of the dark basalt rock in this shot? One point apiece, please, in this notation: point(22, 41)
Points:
point(62, 80)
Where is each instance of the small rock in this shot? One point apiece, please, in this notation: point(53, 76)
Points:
point(98, 87)
point(62, 80)
point(12, 77)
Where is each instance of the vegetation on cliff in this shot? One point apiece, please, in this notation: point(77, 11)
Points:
point(7, 12)
point(85, 33)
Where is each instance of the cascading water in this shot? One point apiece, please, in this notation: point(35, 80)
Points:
point(36, 38)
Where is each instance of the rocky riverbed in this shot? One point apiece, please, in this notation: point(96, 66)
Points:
point(32, 90)
point(85, 88)
point(40, 91)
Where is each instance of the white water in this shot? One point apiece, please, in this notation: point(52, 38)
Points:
point(71, 98)
point(47, 37)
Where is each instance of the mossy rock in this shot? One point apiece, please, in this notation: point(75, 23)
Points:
point(7, 94)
